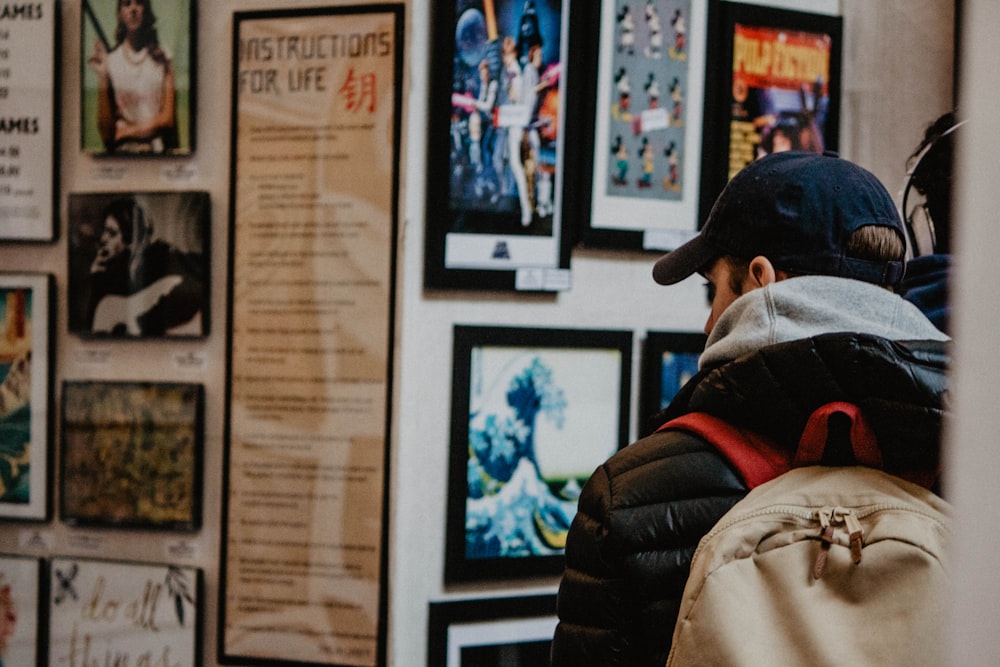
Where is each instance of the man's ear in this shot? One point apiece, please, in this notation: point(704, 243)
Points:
point(762, 272)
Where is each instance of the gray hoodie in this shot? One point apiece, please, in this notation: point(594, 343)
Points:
point(808, 306)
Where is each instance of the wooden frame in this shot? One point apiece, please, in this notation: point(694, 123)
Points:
point(29, 88)
point(497, 632)
point(119, 612)
point(669, 360)
point(759, 108)
point(501, 188)
point(26, 306)
point(22, 600)
point(176, 30)
point(644, 125)
point(132, 454)
point(139, 264)
point(534, 412)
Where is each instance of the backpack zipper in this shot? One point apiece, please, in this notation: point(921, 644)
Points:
point(851, 517)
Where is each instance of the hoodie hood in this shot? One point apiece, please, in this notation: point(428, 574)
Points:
point(808, 306)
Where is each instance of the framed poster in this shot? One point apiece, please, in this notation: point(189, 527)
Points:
point(496, 632)
point(132, 454)
point(29, 149)
point(316, 109)
point(669, 360)
point(137, 62)
point(534, 412)
point(646, 125)
point(26, 303)
point(22, 582)
point(139, 264)
point(500, 156)
point(777, 87)
point(104, 612)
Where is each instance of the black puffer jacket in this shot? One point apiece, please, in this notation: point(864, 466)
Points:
point(643, 512)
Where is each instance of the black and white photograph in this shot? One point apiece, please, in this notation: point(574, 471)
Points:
point(138, 264)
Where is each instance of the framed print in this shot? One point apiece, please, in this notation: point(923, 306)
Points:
point(534, 412)
point(646, 125)
point(499, 150)
point(317, 98)
point(29, 85)
point(137, 77)
point(25, 390)
point(132, 454)
point(123, 613)
point(138, 264)
point(497, 632)
point(22, 581)
point(669, 360)
point(777, 87)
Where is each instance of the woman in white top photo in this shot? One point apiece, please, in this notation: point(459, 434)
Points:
point(136, 89)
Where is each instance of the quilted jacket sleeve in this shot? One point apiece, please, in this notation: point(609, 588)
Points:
point(629, 549)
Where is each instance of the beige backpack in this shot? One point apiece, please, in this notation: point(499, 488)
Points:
point(820, 566)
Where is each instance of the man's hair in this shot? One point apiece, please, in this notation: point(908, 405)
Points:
point(871, 242)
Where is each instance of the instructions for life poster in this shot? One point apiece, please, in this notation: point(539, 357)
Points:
point(27, 120)
point(316, 100)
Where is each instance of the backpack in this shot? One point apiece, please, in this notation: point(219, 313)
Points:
point(817, 565)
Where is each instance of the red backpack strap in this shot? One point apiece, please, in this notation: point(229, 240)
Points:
point(757, 458)
point(814, 437)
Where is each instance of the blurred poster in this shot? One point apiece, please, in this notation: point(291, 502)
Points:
point(315, 149)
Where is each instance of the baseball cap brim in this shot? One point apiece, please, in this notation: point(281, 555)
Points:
point(686, 260)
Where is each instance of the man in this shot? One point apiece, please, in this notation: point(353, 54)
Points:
point(802, 252)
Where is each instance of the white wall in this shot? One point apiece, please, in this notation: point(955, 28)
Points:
point(973, 464)
point(896, 76)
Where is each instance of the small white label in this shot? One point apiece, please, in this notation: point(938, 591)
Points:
point(190, 360)
point(181, 550)
point(91, 355)
point(38, 541)
point(86, 542)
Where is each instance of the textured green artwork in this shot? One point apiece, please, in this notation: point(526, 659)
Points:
point(132, 454)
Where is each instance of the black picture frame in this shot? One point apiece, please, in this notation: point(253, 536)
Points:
point(23, 603)
point(132, 454)
point(176, 25)
point(159, 285)
point(491, 632)
point(734, 105)
point(534, 412)
point(484, 231)
point(669, 359)
point(643, 125)
point(27, 314)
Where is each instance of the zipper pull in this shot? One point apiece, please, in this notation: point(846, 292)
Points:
point(823, 515)
point(855, 531)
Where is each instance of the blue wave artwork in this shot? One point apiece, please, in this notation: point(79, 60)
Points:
point(512, 509)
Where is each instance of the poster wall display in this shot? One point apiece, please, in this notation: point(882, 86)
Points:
point(492, 632)
point(669, 360)
point(132, 454)
point(21, 585)
point(137, 96)
point(25, 390)
point(104, 612)
point(315, 149)
point(534, 412)
point(777, 87)
point(139, 264)
point(29, 135)
point(647, 124)
point(500, 156)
